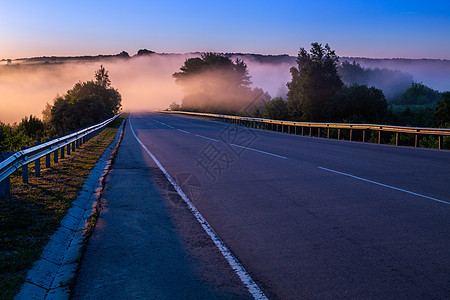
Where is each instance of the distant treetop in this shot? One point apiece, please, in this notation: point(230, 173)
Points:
point(145, 52)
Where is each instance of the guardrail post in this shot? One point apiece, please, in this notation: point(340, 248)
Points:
point(328, 133)
point(37, 165)
point(441, 141)
point(303, 130)
point(396, 139)
point(62, 152)
point(339, 133)
point(47, 158)
point(416, 140)
point(295, 130)
point(318, 132)
point(364, 136)
point(73, 146)
point(351, 134)
point(5, 186)
point(379, 136)
point(55, 156)
point(25, 170)
point(68, 149)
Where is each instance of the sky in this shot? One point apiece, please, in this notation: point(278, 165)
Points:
point(375, 29)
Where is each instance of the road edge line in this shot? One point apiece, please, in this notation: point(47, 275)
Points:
point(237, 267)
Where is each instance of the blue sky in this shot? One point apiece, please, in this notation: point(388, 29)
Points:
point(410, 29)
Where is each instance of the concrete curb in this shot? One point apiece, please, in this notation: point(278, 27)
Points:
point(52, 275)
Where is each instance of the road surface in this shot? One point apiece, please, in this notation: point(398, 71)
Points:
point(313, 218)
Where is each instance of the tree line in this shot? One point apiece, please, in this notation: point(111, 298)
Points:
point(316, 92)
point(86, 104)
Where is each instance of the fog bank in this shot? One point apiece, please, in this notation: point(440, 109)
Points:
point(146, 83)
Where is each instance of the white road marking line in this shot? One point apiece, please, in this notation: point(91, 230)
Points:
point(205, 137)
point(183, 131)
point(238, 268)
point(260, 151)
point(162, 123)
point(385, 185)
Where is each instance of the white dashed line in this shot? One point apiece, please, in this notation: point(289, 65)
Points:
point(183, 131)
point(385, 185)
point(260, 151)
point(205, 137)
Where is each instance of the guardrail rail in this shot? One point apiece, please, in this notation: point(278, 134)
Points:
point(299, 127)
point(58, 147)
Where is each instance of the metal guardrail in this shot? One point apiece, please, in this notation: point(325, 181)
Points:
point(264, 123)
point(22, 158)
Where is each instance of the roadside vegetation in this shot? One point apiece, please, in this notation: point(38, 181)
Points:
point(34, 210)
point(87, 103)
point(321, 90)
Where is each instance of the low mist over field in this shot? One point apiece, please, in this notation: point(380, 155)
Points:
point(146, 82)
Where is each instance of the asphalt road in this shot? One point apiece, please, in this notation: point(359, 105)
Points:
point(314, 218)
point(147, 244)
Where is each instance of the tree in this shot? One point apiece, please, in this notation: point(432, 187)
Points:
point(442, 111)
point(85, 104)
point(313, 83)
point(47, 113)
point(276, 109)
point(174, 106)
point(357, 104)
point(110, 96)
point(102, 77)
point(353, 73)
point(215, 83)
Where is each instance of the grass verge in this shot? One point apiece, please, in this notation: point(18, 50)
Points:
point(34, 211)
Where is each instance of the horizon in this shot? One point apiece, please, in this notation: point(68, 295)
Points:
point(134, 54)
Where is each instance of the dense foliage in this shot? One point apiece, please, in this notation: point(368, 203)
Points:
point(442, 112)
point(357, 104)
point(276, 109)
point(419, 94)
point(87, 103)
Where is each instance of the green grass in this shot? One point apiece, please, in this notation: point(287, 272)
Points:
point(34, 211)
